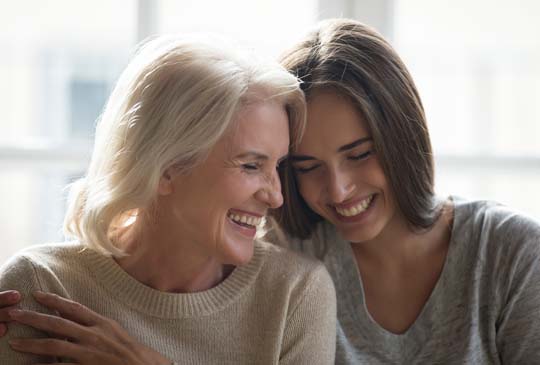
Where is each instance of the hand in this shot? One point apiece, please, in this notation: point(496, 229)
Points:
point(91, 338)
point(8, 300)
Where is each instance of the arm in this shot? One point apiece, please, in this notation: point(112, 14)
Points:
point(518, 326)
point(310, 333)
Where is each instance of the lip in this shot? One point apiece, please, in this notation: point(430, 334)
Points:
point(357, 218)
point(245, 231)
point(234, 210)
point(353, 202)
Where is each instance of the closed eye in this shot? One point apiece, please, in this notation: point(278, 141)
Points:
point(361, 156)
point(250, 166)
point(303, 170)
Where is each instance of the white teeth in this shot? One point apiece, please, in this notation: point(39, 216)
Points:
point(357, 209)
point(246, 219)
point(365, 203)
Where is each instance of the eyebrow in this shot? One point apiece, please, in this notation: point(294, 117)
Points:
point(257, 155)
point(343, 148)
point(351, 145)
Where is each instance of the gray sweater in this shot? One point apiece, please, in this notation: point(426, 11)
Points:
point(485, 308)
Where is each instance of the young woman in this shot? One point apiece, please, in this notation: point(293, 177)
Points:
point(419, 279)
point(183, 171)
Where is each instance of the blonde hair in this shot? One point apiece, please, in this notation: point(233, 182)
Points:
point(173, 102)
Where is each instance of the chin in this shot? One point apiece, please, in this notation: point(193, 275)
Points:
point(355, 237)
point(359, 234)
point(238, 256)
point(366, 229)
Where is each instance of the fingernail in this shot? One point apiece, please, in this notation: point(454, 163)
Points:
point(14, 295)
point(15, 313)
point(14, 343)
point(39, 294)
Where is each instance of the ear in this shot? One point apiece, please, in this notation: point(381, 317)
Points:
point(165, 186)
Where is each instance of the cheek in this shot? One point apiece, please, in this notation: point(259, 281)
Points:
point(379, 179)
point(237, 189)
point(309, 189)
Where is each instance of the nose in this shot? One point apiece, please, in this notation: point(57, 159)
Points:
point(340, 185)
point(270, 194)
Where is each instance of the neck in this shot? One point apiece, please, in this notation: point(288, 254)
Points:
point(167, 264)
point(392, 244)
point(399, 245)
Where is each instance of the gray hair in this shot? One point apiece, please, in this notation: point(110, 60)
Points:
point(173, 102)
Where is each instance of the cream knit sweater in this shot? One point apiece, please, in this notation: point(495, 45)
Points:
point(277, 309)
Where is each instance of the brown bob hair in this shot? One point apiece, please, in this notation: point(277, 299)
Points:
point(354, 60)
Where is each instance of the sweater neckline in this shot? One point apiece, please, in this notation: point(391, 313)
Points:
point(362, 317)
point(150, 301)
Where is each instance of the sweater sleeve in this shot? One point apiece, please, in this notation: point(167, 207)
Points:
point(518, 327)
point(20, 274)
point(310, 333)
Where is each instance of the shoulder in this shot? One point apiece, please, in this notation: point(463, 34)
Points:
point(496, 222)
point(46, 254)
point(303, 288)
point(295, 270)
point(316, 246)
point(504, 239)
point(284, 260)
point(36, 261)
point(496, 216)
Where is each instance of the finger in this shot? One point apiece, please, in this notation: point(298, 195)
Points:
point(51, 324)
point(9, 297)
point(65, 361)
point(49, 347)
point(4, 313)
point(69, 309)
point(3, 329)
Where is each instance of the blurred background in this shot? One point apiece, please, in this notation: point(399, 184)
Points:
point(476, 64)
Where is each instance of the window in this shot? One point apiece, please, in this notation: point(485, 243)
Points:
point(476, 64)
point(59, 61)
point(267, 26)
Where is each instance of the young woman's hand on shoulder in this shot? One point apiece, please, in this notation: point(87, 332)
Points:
point(80, 334)
point(8, 301)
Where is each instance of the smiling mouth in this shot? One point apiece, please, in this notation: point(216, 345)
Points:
point(245, 220)
point(356, 209)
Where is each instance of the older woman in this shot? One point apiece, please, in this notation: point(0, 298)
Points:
point(166, 221)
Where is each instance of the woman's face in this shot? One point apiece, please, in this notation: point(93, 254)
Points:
point(217, 206)
point(338, 172)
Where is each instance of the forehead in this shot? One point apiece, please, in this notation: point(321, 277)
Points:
point(332, 121)
point(262, 124)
